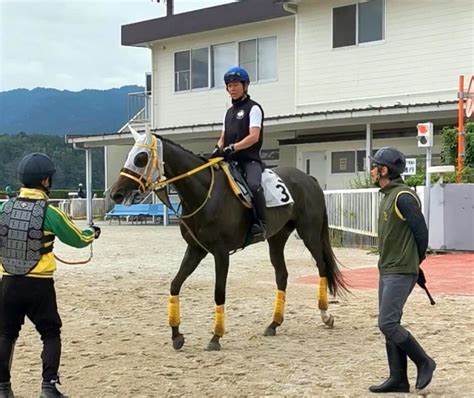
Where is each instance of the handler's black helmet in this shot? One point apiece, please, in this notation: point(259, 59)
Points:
point(392, 158)
point(34, 168)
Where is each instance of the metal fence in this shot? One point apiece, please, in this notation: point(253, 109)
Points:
point(353, 210)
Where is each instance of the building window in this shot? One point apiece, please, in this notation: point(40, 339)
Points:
point(182, 71)
point(191, 69)
point(259, 58)
point(360, 160)
point(200, 68)
point(223, 58)
point(358, 23)
point(343, 162)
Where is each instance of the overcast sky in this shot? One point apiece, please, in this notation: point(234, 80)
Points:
point(75, 44)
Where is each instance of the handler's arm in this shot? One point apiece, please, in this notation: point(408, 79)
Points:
point(64, 228)
point(411, 211)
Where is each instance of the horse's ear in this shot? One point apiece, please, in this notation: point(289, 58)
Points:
point(135, 133)
point(148, 135)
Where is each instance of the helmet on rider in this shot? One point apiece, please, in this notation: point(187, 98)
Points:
point(34, 168)
point(236, 74)
point(392, 158)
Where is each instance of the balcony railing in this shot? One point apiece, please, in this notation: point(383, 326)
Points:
point(139, 106)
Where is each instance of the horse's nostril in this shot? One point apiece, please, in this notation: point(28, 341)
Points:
point(117, 197)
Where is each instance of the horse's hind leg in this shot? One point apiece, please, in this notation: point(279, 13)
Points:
point(191, 260)
point(277, 246)
point(308, 233)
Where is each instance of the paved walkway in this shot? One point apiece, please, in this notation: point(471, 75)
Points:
point(445, 273)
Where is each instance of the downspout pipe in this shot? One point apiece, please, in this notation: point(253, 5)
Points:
point(292, 8)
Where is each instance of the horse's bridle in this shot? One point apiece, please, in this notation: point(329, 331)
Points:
point(156, 163)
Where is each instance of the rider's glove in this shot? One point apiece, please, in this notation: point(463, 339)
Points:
point(96, 230)
point(216, 152)
point(228, 151)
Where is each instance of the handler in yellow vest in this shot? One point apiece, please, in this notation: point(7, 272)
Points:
point(28, 227)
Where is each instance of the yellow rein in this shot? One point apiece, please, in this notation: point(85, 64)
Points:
point(160, 184)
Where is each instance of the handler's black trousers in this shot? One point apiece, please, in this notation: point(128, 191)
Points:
point(35, 298)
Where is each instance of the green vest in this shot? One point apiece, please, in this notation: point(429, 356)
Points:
point(397, 245)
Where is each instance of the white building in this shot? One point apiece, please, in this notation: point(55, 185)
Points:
point(336, 78)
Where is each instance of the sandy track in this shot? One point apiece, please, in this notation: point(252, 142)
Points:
point(116, 341)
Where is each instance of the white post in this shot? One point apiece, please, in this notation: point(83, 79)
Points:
point(368, 146)
point(89, 213)
point(165, 213)
point(428, 185)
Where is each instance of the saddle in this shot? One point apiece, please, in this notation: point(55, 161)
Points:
point(275, 190)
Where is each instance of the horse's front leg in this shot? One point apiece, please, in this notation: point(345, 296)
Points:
point(222, 268)
point(191, 260)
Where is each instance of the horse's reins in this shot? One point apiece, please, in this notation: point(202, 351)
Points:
point(79, 262)
point(145, 182)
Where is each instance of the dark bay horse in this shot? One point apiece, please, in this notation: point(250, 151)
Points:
point(214, 221)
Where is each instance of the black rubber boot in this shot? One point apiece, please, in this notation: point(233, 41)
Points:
point(397, 363)
point(258, 229)
point(49, 390)
point(6, 390)
point(424, 364)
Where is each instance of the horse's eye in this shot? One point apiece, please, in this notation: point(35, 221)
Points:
point(141, 160)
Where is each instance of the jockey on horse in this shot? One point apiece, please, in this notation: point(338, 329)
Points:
point(241, 141)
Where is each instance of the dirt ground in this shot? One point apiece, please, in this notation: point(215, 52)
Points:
point(117, 343)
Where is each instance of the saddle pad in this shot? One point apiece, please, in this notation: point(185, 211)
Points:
point(276, 192)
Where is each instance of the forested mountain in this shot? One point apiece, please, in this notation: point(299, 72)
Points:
point(70, 163)
point(58, 112)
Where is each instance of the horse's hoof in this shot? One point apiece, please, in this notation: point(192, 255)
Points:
point(269, 331)
point(178, 341)
point(329, 321)
point(213, 346)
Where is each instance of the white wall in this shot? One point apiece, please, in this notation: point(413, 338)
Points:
point(343, 180)
point(428, 43)
point(209, 105)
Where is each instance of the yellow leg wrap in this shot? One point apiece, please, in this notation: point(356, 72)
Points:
point(323, 294)
point(219, 320)
point(173, 311)
point(279, 308)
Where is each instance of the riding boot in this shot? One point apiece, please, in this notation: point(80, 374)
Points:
point(425, 365)
point(397, 363)
point(6, 390)
point(258, 228)
point(49, 390)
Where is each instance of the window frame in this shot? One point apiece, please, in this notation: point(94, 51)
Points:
point(354, 163)
point(190, 50)
point(211, 69)
point(210, 65)
point(357, 43)
point(257, 57)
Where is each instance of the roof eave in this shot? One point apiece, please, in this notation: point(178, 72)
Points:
point(203, 20)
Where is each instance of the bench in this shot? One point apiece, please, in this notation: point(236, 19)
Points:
point(139, 212)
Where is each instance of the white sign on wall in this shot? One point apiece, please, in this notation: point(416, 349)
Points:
point(410, 167)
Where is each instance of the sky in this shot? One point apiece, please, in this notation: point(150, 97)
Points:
point(75, 44)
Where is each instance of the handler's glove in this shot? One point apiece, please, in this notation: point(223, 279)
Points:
point(215, 153)
point(96, 230)
point(228, 151)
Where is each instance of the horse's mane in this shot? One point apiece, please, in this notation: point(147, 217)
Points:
point(180, 147)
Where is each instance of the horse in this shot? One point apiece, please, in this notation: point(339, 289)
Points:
point(214, 221)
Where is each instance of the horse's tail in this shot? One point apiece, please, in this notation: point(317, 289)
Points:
point(335, 279)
